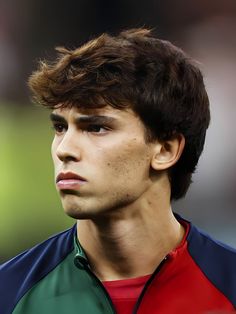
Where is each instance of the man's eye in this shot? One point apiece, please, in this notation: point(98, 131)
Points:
point(58, 127)
point(96, 128)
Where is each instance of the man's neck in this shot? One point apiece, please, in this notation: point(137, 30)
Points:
point(132, 244)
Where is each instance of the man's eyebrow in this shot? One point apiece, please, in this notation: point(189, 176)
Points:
point(84, 119)
point(94, 119)
point(57, 118)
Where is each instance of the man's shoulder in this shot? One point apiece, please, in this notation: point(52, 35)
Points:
point(27, 268)
point(200, 242)
point(60, 243)
point(215, 259)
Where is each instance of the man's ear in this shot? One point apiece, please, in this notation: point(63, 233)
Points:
point(167, 153)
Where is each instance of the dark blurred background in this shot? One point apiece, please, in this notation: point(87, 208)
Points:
point(30, 29)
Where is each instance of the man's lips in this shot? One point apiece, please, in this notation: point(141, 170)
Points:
point(69, 180)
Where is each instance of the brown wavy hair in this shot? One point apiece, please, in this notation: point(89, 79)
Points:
point(134, 69)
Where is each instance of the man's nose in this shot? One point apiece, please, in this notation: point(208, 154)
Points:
point(68, 149)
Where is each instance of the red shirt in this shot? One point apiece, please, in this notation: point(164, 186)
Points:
point(124, 293)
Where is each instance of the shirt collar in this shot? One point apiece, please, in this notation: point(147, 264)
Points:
point(80, 259)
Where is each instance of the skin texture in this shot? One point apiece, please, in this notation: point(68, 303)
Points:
point(124, 204)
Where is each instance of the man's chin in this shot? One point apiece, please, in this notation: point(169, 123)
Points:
point(83, 212)
point(76, 214)
point(77, 211)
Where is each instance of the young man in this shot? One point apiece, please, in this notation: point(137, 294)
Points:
point(130, 115)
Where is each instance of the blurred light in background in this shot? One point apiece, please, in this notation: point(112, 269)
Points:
point(29, 30)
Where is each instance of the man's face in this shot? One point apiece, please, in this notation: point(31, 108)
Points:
point(103, 160)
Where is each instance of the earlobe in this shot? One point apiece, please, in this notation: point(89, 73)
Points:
point(167, 153)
